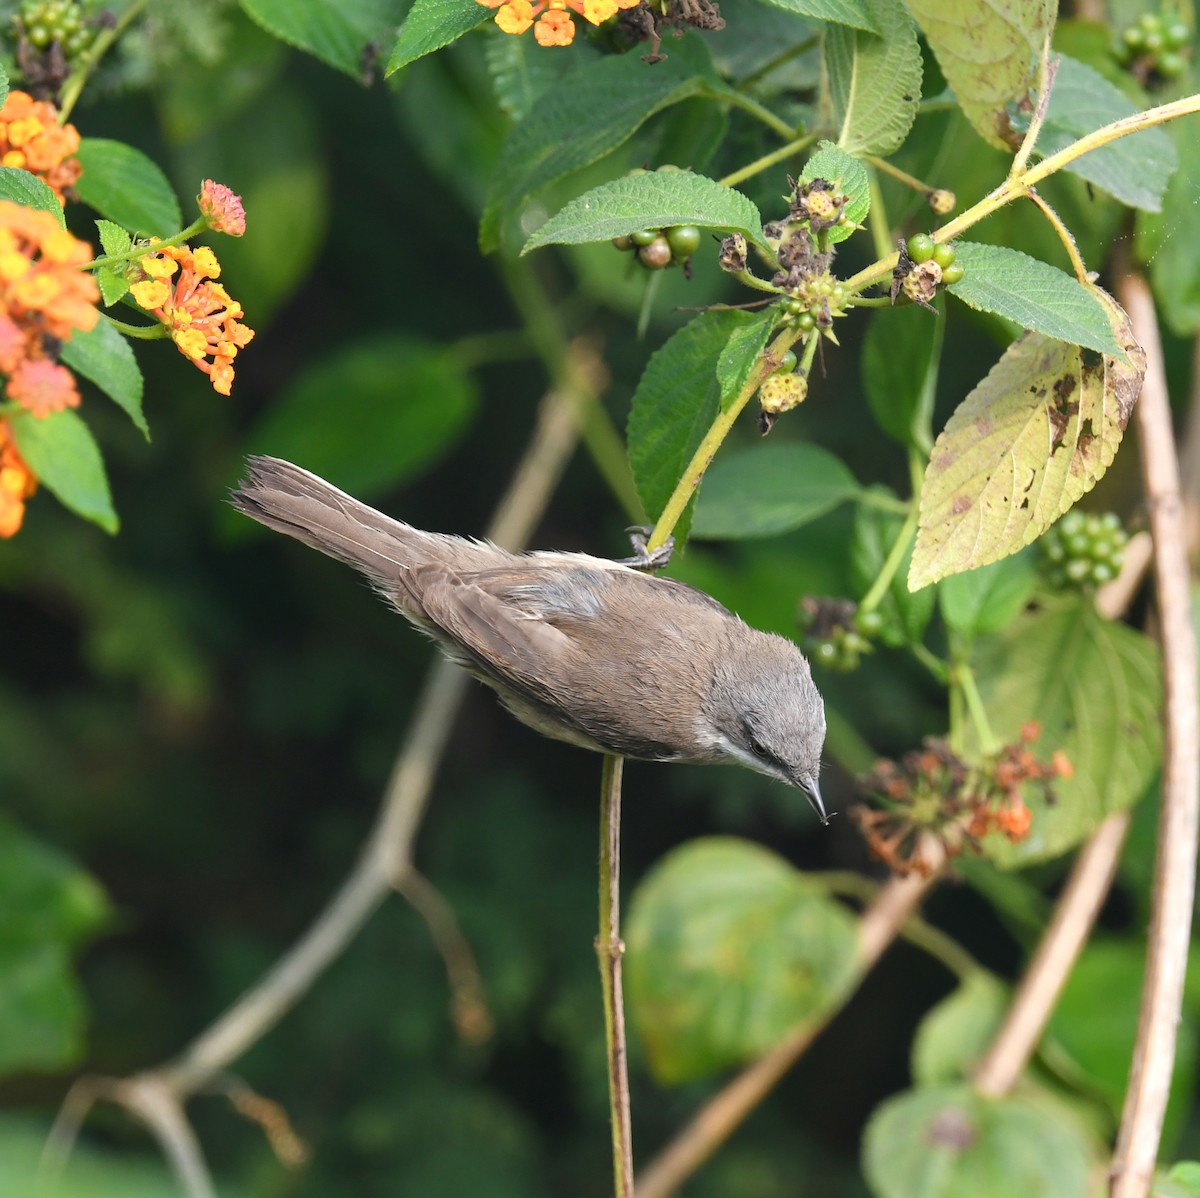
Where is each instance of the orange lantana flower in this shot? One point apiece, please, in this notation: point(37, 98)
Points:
point(203, 320)
point(32, 139)
point(17, 483)
point(554, 26)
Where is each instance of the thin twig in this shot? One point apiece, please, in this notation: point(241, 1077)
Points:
point(1175, 867)
point(610, 949)
point(717, 1120)
point(1035, 998)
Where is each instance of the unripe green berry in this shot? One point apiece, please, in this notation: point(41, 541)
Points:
point(806, 321)
point(1176, 36)
point(920, 247)
point(645, 236)
point(869, 623)
point(953, 273)
point(787, 363)
point(684, 241)
point(944, 255)
point(1171, 65)
point(624, 242)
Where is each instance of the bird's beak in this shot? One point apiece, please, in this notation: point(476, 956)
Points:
point(813, 793)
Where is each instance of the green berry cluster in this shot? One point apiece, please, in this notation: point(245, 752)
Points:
point(922, 248)
point(814, 302)
point(1083, 550)
point(48, 21)
point(656, 249)
point(836, 633)
point(1155, 44)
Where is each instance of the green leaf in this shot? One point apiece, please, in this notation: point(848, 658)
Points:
point(126, 186)
point(954, 1035)
point(48, 907)
point(653, 200)
point(949, 1141)
point(584, 117)
point(433, 24)
point(1034, 294)
point(27, 189)
point(1094, 688)
point(875, 79)
point(1182, 1181)
point(105, 357)
point(1134, 169)
point(986, 51)
point(986, 599)
point(114, 239)
point(1092, 1042)
point(855, 13)
point(905, 613)
point(770, 489)
point(730, 951)
point(341, 34)
point(520, 70)
point(1023, 446)
point(409, 399)
point(1169, 243)
point(849, 176)
point(62, 452)
point(900, 360)
point(3, 87)
point(677, 399)
point(741, 353)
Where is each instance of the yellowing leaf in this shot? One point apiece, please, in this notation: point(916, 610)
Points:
point(985, 49)
point(1035, 435)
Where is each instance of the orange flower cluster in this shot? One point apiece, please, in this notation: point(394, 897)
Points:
point(933, 792)
point(32, 139)
point(17, 484)
point(202, 318)
point(554, 24)
point(44, 298)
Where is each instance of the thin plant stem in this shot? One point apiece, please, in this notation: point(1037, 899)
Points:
point(1064, 235)
point(1171, 909)
point(768, 160)
point(757, 110)
point(964, 677)
point(1051, 965)
point(104, 42)
point(609, 951)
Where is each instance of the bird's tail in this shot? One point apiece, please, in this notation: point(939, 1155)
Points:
point(293, 501)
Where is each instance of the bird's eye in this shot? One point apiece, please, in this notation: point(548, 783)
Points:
point(757, 748)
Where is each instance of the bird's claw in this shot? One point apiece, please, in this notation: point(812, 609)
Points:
point(643, 558)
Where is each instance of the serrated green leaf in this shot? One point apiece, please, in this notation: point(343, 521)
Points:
point(949, 1141)
point(105, 357)
point(62, 452)
point(770, 489)
point(1094, 687)
point(25, 188)
point(849, 176)
point(985, 599)
point(112, 285)
point(129, 188)
point(954, 1035)
point(986, 50)
point(114, 240)
point(339, 34)
point(741, 353)
point(48, 907)
point(875, 79)
point(855, 13)
point(653, 200)
point(677, 399)
point(1028, 441)
point(729, 951)
point(1034, 294)
point(1169, 242)
point(906, 614)
point(433, 24)
point(900, 358)
point(520, 70)
point(3, 87)
point(1134, 169)
point(584, 117)
point(408, 398)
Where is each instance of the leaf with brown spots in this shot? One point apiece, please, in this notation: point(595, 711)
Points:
point(986, 51)
point(1035, 435)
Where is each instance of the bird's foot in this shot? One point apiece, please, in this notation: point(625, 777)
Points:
point(643, 558)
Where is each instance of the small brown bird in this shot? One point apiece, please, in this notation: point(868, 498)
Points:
point(580, 648)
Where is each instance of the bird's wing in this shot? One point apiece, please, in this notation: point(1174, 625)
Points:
point(502, 636)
